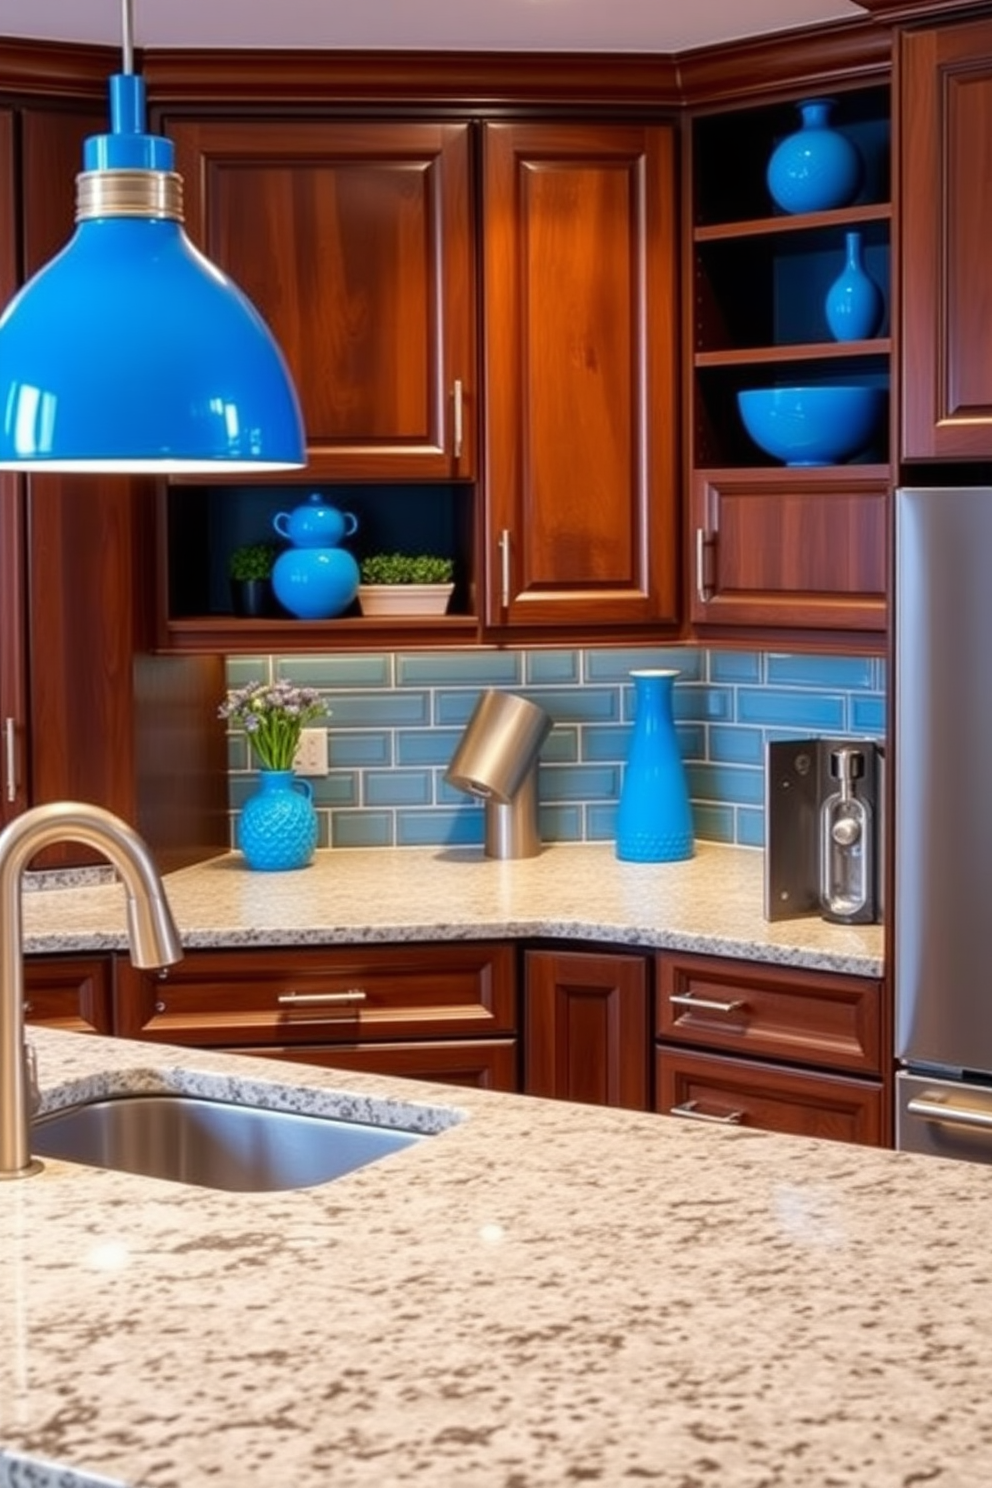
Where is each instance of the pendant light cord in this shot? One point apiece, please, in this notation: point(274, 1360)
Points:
point(127, 35)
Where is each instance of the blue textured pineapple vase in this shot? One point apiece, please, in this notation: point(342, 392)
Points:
point(277, 827)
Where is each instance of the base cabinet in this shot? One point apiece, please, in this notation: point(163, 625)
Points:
point(438, 1012)
point(586, 1027)
point(739, 1092)
point(74, 993)
point(485, 1064)
point(747, 1044)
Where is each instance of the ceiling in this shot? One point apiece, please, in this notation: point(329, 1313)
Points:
point(663, 26)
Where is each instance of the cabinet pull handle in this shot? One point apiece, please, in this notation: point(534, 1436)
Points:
point(10, 745)
point(703, 542)
point(321, 999)
point(457, 417)
point(504, 553)
point(690, 1112)
point(947, 1113)
point(707, 1004)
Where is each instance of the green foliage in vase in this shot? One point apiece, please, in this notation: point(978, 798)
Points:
point(253, 561)
point(406, 568)
point(273, 717)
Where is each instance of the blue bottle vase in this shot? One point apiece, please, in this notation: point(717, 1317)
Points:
point(854, 306)
point(277, 828)
point(817, 167)
point(654, 816)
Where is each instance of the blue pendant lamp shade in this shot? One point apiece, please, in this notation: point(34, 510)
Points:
point(130, 351)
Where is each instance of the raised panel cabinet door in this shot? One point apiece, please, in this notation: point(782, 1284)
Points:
point(744, 1093)
point(945, 124)
point(581, 446)
point(774, 551)
point(776, 1012)
point(338, 994)
point(586, 1032)
point(355, 241)
point(74, 993)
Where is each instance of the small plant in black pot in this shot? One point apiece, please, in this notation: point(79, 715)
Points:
point(249, 569)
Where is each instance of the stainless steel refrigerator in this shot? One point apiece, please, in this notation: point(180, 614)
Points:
point(942, 765)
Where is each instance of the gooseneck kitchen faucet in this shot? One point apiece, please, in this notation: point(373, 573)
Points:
point(151, 932)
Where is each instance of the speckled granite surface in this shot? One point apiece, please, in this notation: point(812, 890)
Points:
point(711, 903)
point(544, 1294)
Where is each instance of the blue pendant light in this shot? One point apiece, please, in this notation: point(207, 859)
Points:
point(130, 351)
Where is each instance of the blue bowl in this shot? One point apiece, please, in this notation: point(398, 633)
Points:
point(812, 425)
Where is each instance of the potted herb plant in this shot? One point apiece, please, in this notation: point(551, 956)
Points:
point(249, 569)
point(405, 584)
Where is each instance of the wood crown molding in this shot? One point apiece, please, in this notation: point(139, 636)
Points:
point(56, 69)
point(486, 80)
point(891, 11)
point(479, 81)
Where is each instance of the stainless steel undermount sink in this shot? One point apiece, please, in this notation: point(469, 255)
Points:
point(213, 1144)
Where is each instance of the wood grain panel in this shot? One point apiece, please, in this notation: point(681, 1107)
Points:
point(580, 342)
point(945, 104)
point(585, 1027)
point(355, 242)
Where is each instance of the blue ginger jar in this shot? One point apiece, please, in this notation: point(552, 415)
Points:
point(277, 827)
point(315, 579)
point(817, 167)
point(654, 815)
point(854, 306)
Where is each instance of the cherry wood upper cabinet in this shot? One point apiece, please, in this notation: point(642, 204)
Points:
point(945, 121)
point(581, 445)
point(355, 241)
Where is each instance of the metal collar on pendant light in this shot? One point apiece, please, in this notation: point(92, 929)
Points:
point(130, 351)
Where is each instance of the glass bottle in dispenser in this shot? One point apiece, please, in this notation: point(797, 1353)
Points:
point(847, 869)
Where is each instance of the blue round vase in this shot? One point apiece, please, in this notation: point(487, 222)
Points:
point(817, 167)
point(277, 827)
point(315, 583)
point(854, 306)
point(654, 816)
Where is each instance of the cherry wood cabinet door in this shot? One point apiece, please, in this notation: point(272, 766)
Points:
point(771, 551)
point(945, 122)
point(336, 995)
point(775, 1012)
point(586, 1035)
point(483, 1064)
point(740, 1092)
point(74, 993)
point(581, 445)
point(355, 241)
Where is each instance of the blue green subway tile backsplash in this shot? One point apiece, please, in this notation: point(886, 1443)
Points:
point(395, 720)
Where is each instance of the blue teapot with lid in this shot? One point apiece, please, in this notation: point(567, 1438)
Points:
point(315, 524)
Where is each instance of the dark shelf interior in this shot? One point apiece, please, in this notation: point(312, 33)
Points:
point(206, 523)
point(731, 152)
point(770, 290)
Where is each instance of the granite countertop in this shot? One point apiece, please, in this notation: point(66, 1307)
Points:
point(542, 1294)
point(711, 903)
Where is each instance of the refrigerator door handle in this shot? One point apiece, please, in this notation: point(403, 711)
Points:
point(943, 1111)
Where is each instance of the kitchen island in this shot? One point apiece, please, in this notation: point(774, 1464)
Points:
point(542, 1294)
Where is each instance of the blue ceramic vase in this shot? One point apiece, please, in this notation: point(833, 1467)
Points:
point(855, 306)
point(817, 167)
point(277, 827)
point(315, 583)
point(654, 816)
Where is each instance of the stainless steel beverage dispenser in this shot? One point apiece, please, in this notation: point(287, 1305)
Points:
point(823, 829)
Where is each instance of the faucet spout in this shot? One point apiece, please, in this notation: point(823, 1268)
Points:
point(152, 936)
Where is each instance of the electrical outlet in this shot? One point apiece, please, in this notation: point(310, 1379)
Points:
point(311, 756)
